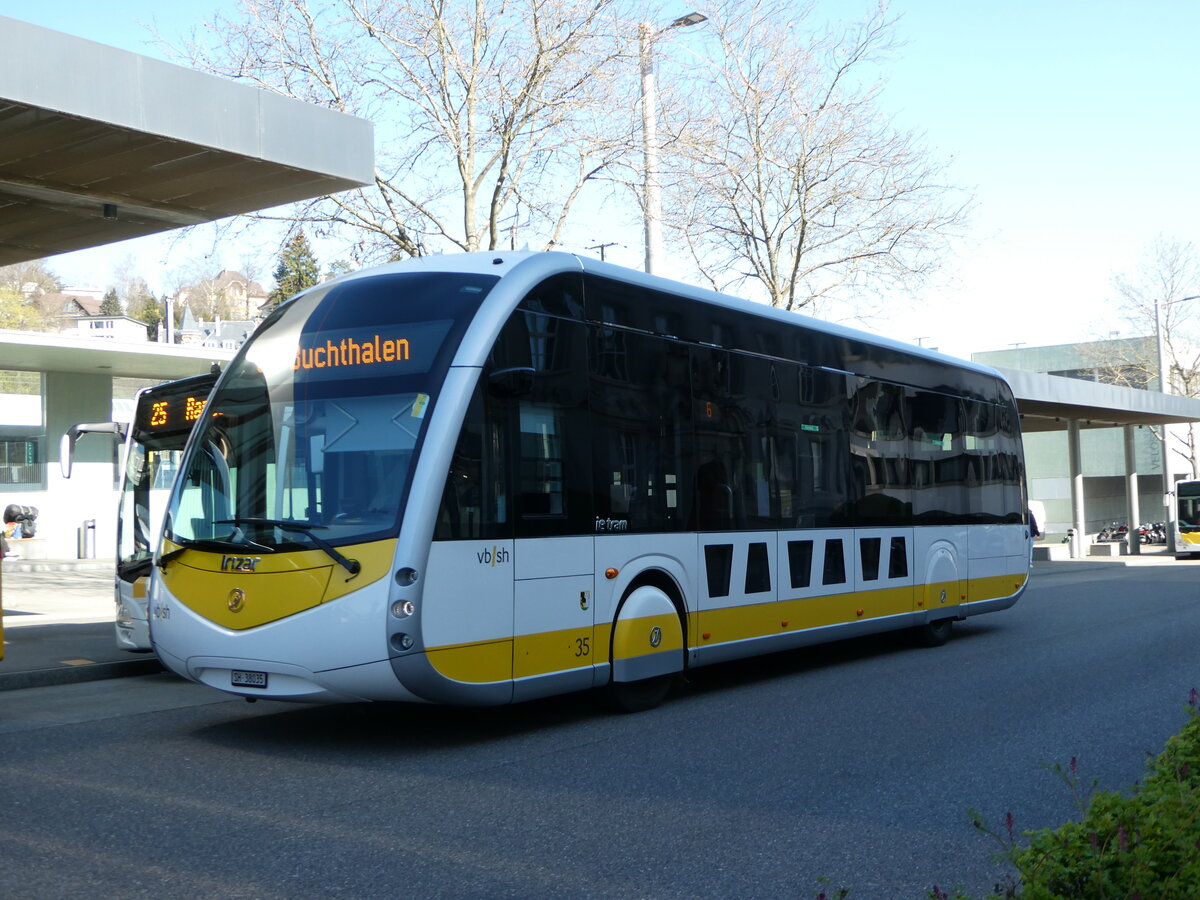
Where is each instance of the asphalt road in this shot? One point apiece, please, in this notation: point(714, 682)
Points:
point(855, 762)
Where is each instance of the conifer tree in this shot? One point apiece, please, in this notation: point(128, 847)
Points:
point(149, 310)
point(297, 269)
point(111, 304)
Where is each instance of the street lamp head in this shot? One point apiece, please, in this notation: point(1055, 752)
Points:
point(692, 18)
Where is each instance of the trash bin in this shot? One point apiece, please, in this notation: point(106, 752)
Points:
point(87, 539)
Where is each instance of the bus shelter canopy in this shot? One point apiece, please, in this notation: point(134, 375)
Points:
point(1052, 403)
point(100, 145)
point(38, 352)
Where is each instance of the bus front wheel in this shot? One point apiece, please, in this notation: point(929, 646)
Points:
point(639, 696)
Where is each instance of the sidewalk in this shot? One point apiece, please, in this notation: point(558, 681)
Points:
point(1151, 555)
point(58, 625)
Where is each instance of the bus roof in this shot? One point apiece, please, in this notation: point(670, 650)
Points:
point(533, 266)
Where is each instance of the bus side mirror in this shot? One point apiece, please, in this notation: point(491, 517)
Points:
point(514, 382)
point(66, 451)
point(66, 444)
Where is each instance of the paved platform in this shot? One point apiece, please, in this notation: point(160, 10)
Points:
point(58, 617)
point(58, 625)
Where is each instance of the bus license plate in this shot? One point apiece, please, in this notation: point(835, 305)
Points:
point(248, 679)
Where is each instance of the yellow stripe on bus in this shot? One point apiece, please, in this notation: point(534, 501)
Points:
point(633, 636)
point(739, 623)
point(474, 663)
point(553, 651)
point(994, 587)
point(556, 651)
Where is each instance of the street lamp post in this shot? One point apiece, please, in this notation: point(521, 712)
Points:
point(651, 195)
point(1164, 386)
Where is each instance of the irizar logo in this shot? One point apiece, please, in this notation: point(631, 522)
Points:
point(493, 556)
point(240, 563)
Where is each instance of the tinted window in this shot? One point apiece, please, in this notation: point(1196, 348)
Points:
point(475, 503)
point(800, 563)
point(639, 399)
point(546, 422)
point(868, 549)
point(758, 569)
point(879, 444)
point(835, 563)
point(718, 563)
point(898, 559)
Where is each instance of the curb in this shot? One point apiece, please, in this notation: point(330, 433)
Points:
point(57, 675)
point(59, 565)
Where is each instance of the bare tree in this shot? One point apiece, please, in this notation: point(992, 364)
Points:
point(197, 285)
point(789, 174)
point(130, 286)
point(30, 279)
point(1162, 298)
point(489, 114)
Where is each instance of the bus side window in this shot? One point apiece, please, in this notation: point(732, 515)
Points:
point(639, 414)
point(835, 562)
point(545, 424)
point(475, 500)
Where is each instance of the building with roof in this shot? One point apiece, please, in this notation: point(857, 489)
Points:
point(228, 295)
point(1107, 454)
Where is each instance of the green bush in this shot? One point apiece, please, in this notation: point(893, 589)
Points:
point(1140, 845)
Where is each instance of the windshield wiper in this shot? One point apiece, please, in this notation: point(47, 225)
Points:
point(353, 566)
point(132, 571)
point(162, 561)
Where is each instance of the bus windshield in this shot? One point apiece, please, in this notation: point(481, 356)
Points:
point(164, 416)
point(1188, 494)
point(311, 437)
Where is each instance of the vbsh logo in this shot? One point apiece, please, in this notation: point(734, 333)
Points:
point(493, 556)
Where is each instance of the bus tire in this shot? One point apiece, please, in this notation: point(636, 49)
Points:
point(639, 696)
point(934, 634)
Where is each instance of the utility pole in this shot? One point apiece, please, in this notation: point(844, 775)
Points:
point(601, 248)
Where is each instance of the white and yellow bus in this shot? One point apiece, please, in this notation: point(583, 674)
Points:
point(1187, 512)
point(151, 446)
point(491, 477)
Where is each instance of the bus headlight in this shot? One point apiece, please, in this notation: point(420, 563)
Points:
point(402, 609)
point(402, 642)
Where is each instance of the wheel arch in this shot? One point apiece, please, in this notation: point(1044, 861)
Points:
point(658, 577)
point(655, 574)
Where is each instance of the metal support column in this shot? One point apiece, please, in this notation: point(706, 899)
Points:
point(1170, 514)
point(1079, 542)
point(1133, 514)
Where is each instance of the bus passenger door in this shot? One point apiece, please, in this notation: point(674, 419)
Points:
point(554, 647)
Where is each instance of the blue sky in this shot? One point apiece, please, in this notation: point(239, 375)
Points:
point(1072, 123)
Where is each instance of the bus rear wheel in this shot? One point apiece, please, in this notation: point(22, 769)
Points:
point(934, 634)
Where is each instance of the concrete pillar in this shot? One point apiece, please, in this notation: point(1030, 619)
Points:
point(1079, 544)
point(1171, 506)
point(1133, 514)
point(72, 398)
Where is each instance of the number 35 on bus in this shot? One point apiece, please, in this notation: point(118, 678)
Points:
point(485, 478)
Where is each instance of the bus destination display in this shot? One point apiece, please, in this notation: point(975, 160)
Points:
point(174, 412)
